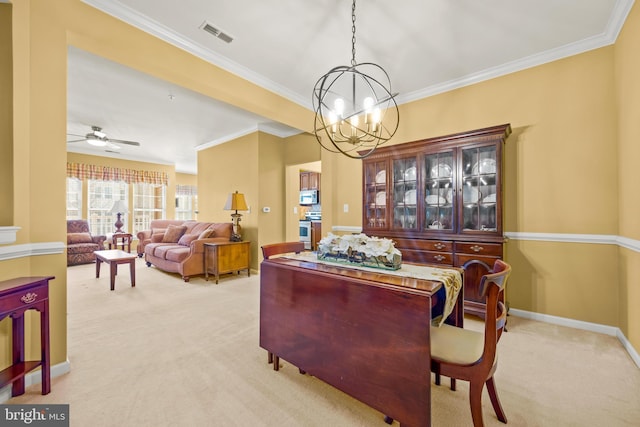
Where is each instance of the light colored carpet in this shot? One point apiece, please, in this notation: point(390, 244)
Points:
point(166, 353)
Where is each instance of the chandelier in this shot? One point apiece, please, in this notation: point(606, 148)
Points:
point(355, 109)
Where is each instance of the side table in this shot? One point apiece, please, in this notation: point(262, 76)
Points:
point(17, 296)
point(121, 240)
point(226, 257)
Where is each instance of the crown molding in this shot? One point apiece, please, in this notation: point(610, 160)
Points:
point(144, 23)
point(124, 13)
point(608, 37)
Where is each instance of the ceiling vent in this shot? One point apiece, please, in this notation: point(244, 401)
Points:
point(216, 32)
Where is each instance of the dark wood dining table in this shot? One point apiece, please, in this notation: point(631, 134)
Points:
point(365, 333)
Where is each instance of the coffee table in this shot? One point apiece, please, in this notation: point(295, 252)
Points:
point(113, 258)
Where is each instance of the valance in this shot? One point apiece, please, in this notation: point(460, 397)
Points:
point(107, 173)
point(186, 190)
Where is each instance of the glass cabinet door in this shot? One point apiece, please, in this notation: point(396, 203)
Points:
point(405, 194)
point(376, 194)
point(479, 188)
point(438, 191)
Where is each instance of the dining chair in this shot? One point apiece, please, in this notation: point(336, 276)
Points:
point(267, 252)
point(469, 355)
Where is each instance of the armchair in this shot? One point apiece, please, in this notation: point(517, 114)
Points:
point(81, 244)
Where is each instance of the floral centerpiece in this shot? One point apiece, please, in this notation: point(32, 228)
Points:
point(360, 249)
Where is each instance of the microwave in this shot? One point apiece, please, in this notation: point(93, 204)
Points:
point(309, 197)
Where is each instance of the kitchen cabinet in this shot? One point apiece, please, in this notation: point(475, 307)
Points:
point(309, 181)
point(440, 200)
point(316, 234)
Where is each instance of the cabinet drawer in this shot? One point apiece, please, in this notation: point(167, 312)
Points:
point(25, 298)
point(479, 248)
point(424, 245)
point(427, 257)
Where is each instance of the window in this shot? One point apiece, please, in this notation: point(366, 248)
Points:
point(101, 195)
point(74, 198)
point(186, 202)
point(148, 204)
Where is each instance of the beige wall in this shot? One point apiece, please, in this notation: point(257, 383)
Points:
point(574, 120)
point(223, 169)
point(558, 176)
point(6, 118)
point(627, 70)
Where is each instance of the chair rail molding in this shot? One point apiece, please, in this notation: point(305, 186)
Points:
point(31, 249)
point(603, 239)
point(8, 234)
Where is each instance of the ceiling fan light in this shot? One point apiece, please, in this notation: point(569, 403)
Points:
point(97, 142)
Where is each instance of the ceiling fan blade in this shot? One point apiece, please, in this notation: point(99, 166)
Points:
point(75, 134)
point(111, 146)
point(122, 141)
point(77, 140)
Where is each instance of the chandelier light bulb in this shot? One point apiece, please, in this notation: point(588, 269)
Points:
point(338, 105)
point(367, 104)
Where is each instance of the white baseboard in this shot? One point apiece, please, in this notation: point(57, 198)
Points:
point(578, 324)
point(35, 377)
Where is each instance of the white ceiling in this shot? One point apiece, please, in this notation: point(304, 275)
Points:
point(426, 46)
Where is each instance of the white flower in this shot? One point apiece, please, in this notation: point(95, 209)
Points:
point(368, 246)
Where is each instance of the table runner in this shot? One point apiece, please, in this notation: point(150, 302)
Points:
point(450, 278)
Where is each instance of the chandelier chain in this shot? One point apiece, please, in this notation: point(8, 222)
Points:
point(353, 33)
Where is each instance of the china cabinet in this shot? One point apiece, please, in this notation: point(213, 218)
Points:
point(440, 200)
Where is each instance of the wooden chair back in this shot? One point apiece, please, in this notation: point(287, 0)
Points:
point(491, 286)
point(281, 248)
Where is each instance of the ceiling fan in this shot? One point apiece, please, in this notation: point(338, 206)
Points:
point(99, 139)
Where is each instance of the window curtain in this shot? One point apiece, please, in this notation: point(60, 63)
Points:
point(186, 190)
point(107, 173)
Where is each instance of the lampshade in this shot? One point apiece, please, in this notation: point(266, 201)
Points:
point(119, 206)
point(236, 202)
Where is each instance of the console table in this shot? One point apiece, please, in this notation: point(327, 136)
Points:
point(17, 296)
point(226, 257)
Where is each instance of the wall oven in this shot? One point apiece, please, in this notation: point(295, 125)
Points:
point(305, 233)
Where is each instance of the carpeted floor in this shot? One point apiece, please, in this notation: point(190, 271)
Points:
point(166, 353)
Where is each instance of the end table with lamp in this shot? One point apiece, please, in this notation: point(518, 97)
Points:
point(236, 202)
point(119, 208)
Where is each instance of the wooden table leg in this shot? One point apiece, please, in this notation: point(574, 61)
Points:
point(132, 272)
point(114, 271)
point(18, 352)
point(44, 349)
point(98, 267)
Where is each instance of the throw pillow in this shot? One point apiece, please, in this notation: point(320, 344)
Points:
point(174, 233)
point(157, 238)
point(78, 238)
point(187, 239)
point(209, 232)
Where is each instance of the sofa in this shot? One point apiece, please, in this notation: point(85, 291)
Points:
point(178, 246)
point(81, 244)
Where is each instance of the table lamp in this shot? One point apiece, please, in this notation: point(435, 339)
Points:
point(236, 202)
point(119, 208)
